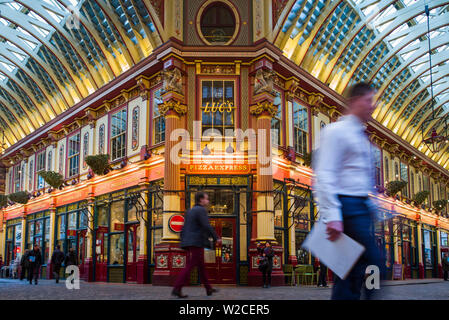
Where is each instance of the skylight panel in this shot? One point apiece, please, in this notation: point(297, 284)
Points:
point(19, 56)
point(42, 31)
point(14, 5)
point(7, 66)
point(37, 17)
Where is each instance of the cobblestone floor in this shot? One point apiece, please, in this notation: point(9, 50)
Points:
point(47, 289)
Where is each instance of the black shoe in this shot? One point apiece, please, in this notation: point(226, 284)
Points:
point(265, 286)
point(178, 294)
point(268, 286)
point(212, 290)
point(57, 280)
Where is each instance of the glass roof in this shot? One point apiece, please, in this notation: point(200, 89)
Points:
point(384, 42)
point(54, 53)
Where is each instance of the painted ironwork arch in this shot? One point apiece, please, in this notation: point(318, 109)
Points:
point(380, 41)
point(54, 53)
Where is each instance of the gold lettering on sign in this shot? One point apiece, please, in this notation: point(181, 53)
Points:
point(220, 106)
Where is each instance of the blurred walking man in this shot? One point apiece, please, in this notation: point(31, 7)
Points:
point(344, 178)
point(195, 236)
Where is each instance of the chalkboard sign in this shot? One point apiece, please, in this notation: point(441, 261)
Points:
point(397, 271)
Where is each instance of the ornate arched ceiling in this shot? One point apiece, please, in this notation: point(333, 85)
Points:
point(54, 53)
point(380, 41)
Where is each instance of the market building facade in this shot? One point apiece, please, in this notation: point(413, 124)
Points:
point(214, 98)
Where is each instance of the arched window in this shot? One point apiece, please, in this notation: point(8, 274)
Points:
point(50, 160)
point(217, 24)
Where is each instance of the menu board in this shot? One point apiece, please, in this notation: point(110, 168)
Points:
point(397, 271)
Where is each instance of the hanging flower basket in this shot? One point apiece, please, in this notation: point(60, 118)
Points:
point(54, 179)
point(19, 197)
point(308, 159)
point(420, 197)
point(99, 163)
point(393, 187)
point(439, 205)
point(3, 200)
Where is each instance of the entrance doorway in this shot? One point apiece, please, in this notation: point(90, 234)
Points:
point(132, 249)
point(221, 261)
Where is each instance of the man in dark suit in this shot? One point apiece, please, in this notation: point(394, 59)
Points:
point(195, 236)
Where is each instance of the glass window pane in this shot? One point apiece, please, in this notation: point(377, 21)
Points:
point(117, 249)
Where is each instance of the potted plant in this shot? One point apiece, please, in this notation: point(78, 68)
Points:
point(439, 205)
point(19, 197)
point(420, 197)
point(3, 200)
point(54, 179)
point(99, 163)
point(307, 159)
point(393, 187)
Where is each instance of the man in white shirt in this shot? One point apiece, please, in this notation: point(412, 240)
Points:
point(344, 178)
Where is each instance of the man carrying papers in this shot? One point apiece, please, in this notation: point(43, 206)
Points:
point(344, 178)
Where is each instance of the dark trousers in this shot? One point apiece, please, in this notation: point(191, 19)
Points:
point(33, 273)
point(266, 275)
point(56, 269)
point(445, 275)
point(195, 257)
point(322, 277)
point(358, 224)
point(22, 272)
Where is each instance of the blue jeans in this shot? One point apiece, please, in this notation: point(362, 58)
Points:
point(358, 223)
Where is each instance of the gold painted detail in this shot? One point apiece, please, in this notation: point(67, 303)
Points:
point(172, 80)
point(260, 107)
point(172, 105)
point(218, 69)
point(264, 81)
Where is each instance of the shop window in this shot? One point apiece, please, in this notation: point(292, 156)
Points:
point(74, 154)
point(396, 171)
point(49, 160)
point(404, 177)
point(118, 135)
point(158, 119)
point(117, 249)
point(387, 169)
point(17, 174)
point(217, 24)
point(217, 108)
point(377, 166)
point(31, 175)
point(302, 255)
point(117, 216)
point(102, 216)
point(61, 160)
point(412, 184)
point(444, 239)
point(300, 128)
point(85, 148)
point(276, 121)
point(427, 243)
point(40, 166)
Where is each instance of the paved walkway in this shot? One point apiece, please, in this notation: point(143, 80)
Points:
point(429, 289)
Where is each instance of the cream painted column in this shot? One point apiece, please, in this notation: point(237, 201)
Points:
point(291, 236)
point(2, 236)
point(172, 111)
point(264, 112)
point(439, 250)
point(24, 233)
point(51, 243)
point(90, 227)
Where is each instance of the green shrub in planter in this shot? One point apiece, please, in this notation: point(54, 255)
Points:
point(98, 163)
point(19, 197)
point(420, 197)
point(393, 187)
point(54, 179)
point(308, 159)
point(439, 205)
point(3, 200)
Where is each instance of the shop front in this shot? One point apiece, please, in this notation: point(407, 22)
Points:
point(13, 245)
point(429, 251)
point(229, 196)
point(38, 233)
point(117, 238)
point(71, 231)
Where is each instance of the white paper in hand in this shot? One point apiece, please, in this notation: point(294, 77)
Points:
point(339, 256)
